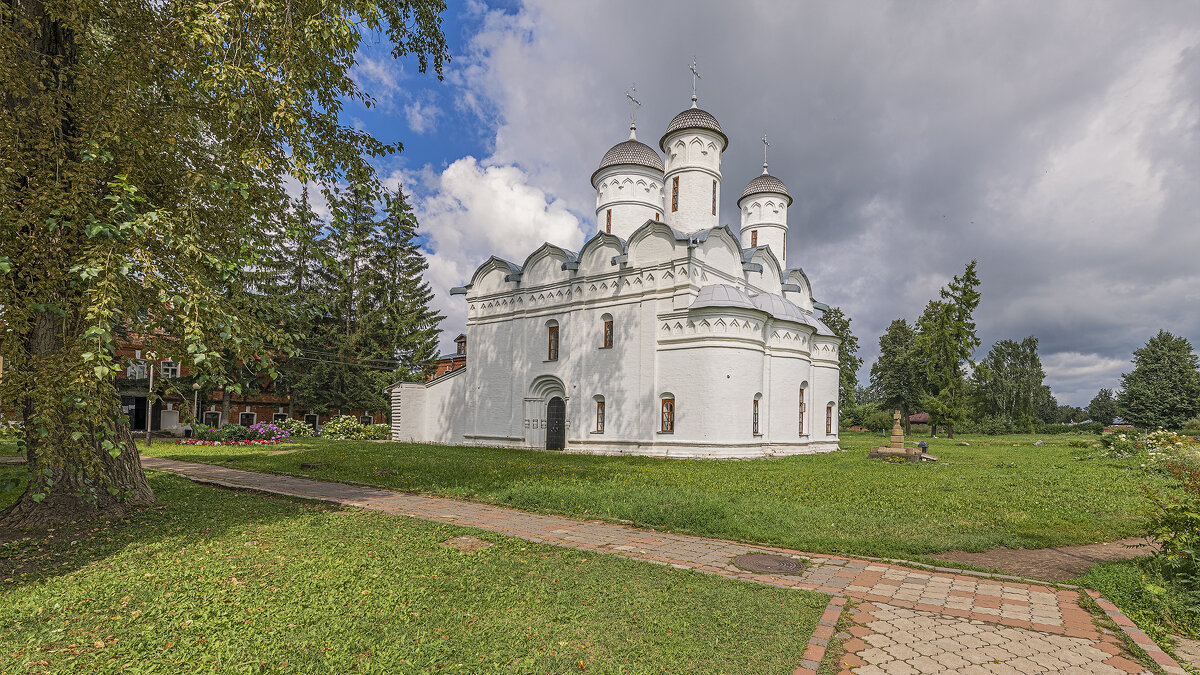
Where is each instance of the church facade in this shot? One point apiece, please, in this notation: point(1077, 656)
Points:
point(666, 334)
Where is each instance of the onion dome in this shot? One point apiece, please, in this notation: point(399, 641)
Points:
point(765, 183)
point(631, 151)
point(694, 118)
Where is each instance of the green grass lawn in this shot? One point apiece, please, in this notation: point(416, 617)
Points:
point(212, 579)
point(8, 448)
point(999, 491)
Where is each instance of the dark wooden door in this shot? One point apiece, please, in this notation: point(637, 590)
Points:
point(556, 424)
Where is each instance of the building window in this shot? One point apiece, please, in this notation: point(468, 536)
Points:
point(247, 419)
point(366, 420)
point(608, 221)
point(552, 343)
point(755, 423)
point(668, 415)
point(803, 410)
point(829, 419)
point(136, 370)
point(608, 332)
point(460, 343)
point(169, 369)
point(311, 420)
point(674, 194)
point(657, 217)
point(212, 419)
point(714, 198)
point(753, 238)
point(279, 417)
point(599, 417)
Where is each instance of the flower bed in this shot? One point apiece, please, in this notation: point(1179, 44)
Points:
point(256, 441)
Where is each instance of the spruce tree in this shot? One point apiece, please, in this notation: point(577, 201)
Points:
point(848, 360)
point(946, 341)
point(898, 376)
point(1163, 390)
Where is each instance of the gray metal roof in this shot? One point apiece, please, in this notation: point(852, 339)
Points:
point(694, 118)
point(721, 295)
point(779, 307)
point(631, 152)
point(765, 183)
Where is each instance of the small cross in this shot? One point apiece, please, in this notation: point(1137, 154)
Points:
point(634, 104)
point(695, 76)
point(765, 146)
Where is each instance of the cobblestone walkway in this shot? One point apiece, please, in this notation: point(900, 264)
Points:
point(908, 620)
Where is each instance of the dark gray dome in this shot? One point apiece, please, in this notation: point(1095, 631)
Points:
point(632, 152)
point(766, 183)
point(694, 118)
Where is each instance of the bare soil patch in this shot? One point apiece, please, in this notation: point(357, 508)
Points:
point(1054, 564)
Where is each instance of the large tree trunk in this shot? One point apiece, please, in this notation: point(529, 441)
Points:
point(949, 430)
point(62, 502)
point(226, 406)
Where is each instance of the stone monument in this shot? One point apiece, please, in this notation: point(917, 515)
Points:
point(895, 446)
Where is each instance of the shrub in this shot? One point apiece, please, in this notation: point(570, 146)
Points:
point(1175, 524)
point(10, 430)
point(878, 421)
point(1083, 427)
point(1192, 426)
point(348, 428)
point(236, 432)
point(203, 432)
point(269, 431)
point(992, 426)
point(296, 428)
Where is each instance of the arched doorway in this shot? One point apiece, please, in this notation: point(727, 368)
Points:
point(556, 424)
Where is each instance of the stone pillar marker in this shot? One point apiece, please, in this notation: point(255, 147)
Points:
point(897, 440)
point(895, 446)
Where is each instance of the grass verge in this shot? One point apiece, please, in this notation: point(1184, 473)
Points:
point(210, 579)
point(999, 491)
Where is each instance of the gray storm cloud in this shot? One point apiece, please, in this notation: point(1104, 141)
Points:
point(1055, 142)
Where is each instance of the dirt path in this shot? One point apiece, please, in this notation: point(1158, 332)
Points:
point(1054, 564)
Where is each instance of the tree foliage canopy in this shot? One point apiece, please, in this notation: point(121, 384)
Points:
point(848, 359)
point(143, 151)
point(1163, 390)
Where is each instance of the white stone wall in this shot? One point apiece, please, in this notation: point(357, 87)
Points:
point(633, 193)
point(694, 156)
point(765, 214)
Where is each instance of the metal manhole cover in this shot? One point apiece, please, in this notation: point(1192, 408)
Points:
point(766, 562)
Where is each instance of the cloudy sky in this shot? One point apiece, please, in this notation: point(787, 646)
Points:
point(1057, 143)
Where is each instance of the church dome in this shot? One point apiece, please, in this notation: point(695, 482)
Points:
point(631, 151)
point(765, 183)
point(694, 118)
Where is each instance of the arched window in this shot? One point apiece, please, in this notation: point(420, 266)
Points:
point(753, 238)
point(803, 410)
point(606, 340)
point(675, 194)
point(599, 413)
point(668, 414)
point(754, 419)
point(551, 340)
point(714, 198)
point(829, 418)
point(608, 221)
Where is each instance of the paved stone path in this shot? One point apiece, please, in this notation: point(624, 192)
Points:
point(908, 620)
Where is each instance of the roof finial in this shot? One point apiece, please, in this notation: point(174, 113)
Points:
point(765, 146)
point(634, 104)
point(695, 76)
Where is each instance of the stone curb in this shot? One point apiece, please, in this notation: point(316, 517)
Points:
point(1160, 657)
point(818, 644)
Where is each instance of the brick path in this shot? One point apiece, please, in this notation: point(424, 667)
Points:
point(908, 620)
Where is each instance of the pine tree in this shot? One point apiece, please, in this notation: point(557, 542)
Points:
point(1163, 390)
point(898, 376)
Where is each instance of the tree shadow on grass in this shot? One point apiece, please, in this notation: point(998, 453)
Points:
point(182, 511)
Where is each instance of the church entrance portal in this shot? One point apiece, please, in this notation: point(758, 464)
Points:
point(556, 424)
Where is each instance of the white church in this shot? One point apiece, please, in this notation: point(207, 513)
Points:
point(667, 334)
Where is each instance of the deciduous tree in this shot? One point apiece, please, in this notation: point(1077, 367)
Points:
point(848, 359)
point(898, 376)
point(1103, 408)
point(140, 144)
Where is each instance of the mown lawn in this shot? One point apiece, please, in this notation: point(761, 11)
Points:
point(210, 579)
point(999, 491)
